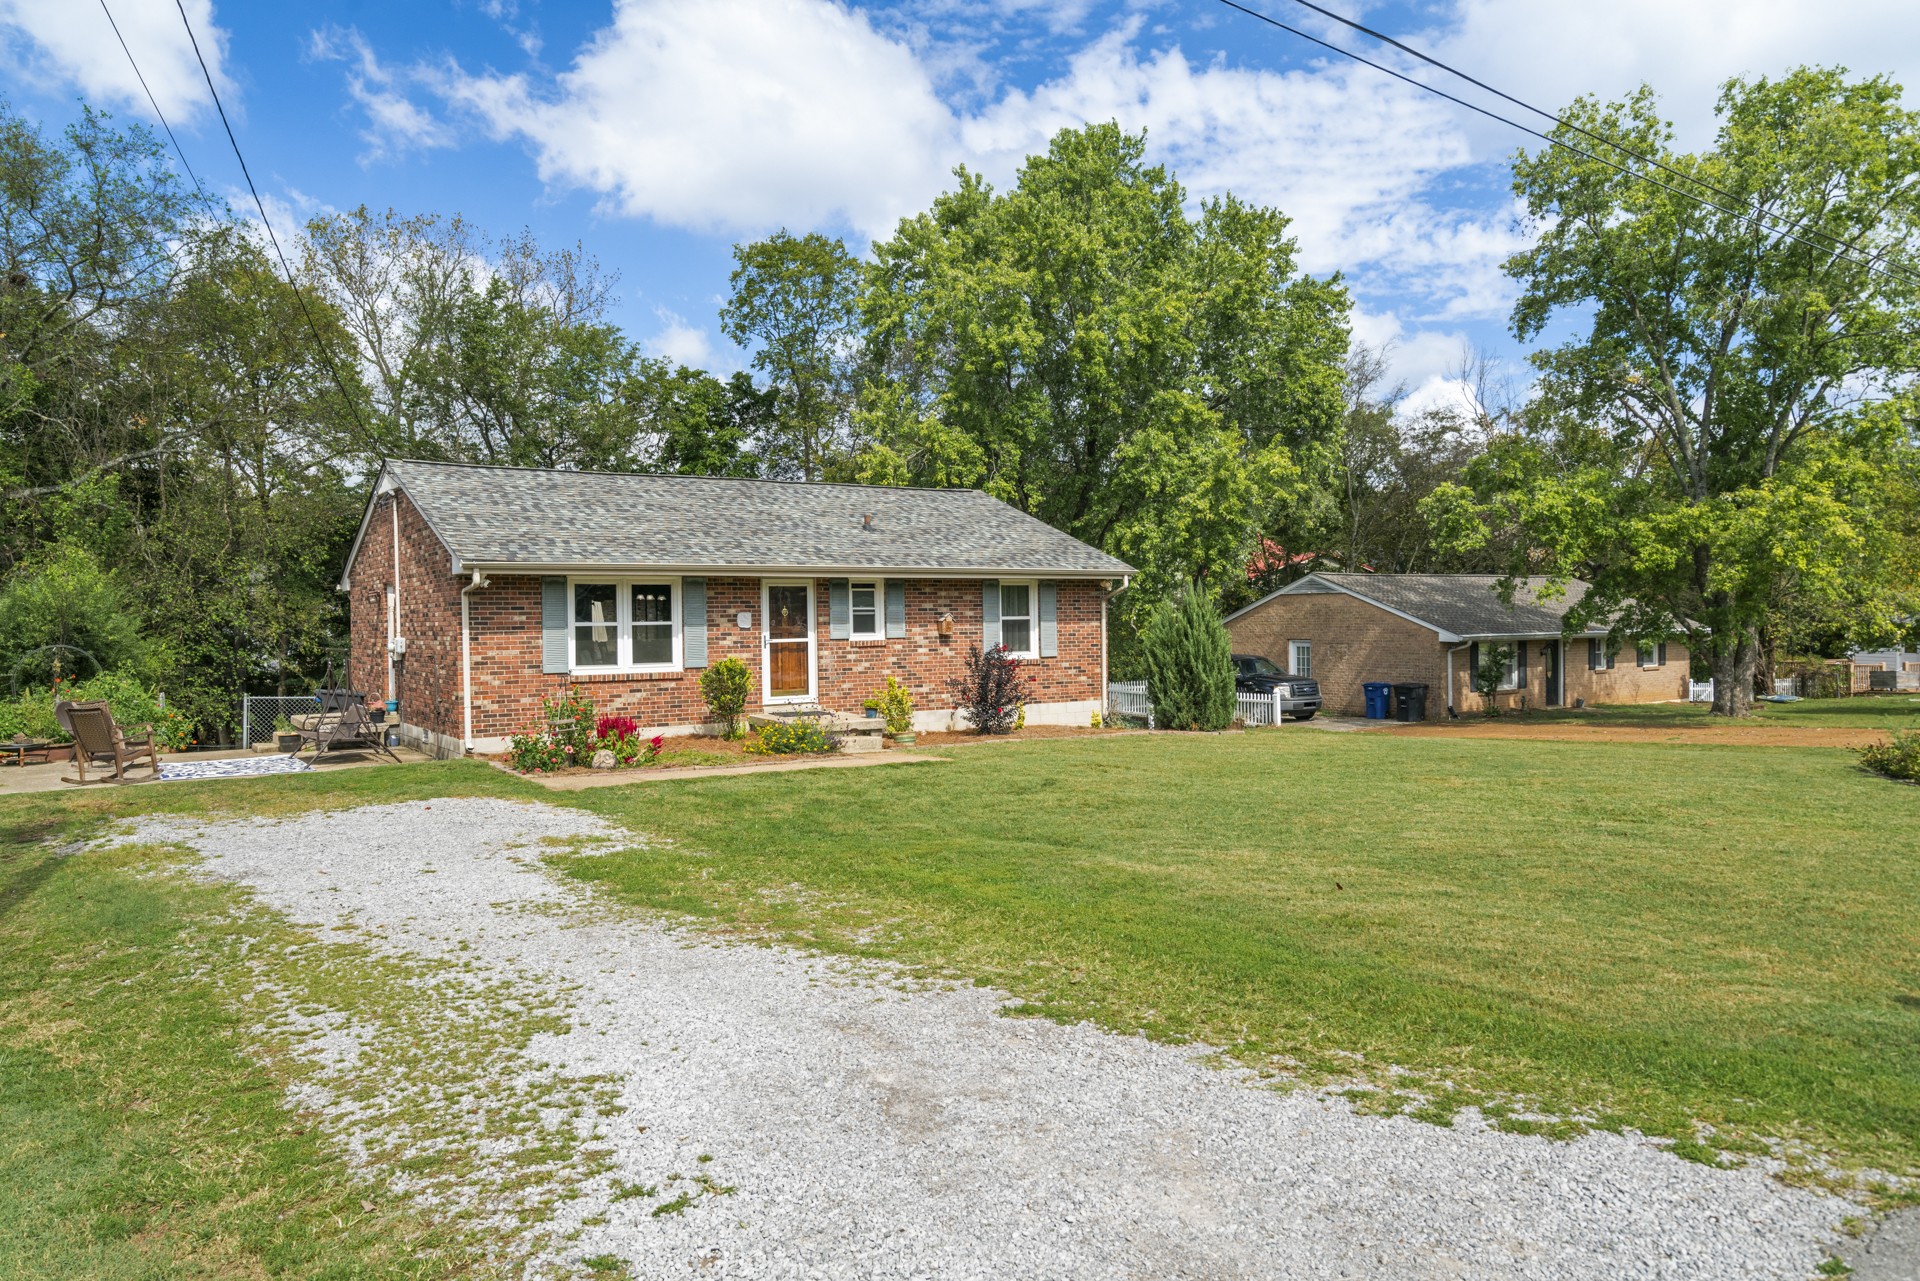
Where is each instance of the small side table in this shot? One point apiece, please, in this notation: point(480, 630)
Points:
point(19, 747)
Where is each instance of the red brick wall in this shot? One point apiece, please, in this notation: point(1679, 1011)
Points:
point(1353, 642)
point(508, 682)
point(429, 675)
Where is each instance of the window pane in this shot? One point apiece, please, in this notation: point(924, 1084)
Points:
point(596, 641)
point(1017, 635)
point(1013, 604)
point(863, 597)
point(652, 603)
point(652, 643)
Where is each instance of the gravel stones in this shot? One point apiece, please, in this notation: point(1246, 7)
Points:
point(781, 1115)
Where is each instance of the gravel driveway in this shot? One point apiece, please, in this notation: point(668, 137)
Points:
point(856, 1128)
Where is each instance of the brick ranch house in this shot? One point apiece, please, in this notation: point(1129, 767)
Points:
point(1347, 629)
point(474, 591)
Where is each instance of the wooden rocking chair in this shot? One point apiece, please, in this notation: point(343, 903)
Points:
point(98, 741)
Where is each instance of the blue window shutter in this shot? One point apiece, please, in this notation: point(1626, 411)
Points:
point(554, 621)
point(1520, 662)
point(839, 610)
point(1049, 619)
point(896, 609)
point(989, 613)
point(1660, 655)
point(693, 628)
point(1593, 655)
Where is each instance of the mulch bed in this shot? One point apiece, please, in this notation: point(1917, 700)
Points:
point(960, 738)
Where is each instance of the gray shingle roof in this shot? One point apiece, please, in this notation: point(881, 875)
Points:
point(501, 516)
point(1468, 604)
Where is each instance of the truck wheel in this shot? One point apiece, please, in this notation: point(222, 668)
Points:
point(1304, 716)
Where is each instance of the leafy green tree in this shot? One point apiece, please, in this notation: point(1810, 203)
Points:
point(1717, 431)
point(697, 424)
point(1189, 664)
point(795, 302)
point(62, 611)
point(1160, 385)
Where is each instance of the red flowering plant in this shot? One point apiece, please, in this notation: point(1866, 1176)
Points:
point(621, 736)
point(991, 693)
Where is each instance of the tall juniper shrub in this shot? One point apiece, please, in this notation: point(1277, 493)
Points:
point(1189, 662)
point(991, 692)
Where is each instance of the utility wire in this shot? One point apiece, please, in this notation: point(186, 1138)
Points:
point(320, 344)
point(150, 99)
point(1746, 215)
point(1564, 123)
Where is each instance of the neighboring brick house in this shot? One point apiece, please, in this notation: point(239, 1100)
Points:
point(476, 590)
point(1347, 629)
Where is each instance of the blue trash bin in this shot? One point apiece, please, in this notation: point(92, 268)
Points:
point(1379, 699)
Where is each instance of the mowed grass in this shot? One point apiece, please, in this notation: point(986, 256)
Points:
point(1646, 935)
point(137, 1138)
point(1865, 711)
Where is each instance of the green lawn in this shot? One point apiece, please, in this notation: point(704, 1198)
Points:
point(1653, 935)
point(1875, 711)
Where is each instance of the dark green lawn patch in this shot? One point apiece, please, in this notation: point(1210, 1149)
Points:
point(1652, 936)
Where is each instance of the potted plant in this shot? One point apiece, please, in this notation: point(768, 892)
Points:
point(285, 737)
point(873, 708)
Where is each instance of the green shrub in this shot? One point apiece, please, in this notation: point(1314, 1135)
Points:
point(725, 685)
point(132, 703)
point(895, 705)
point(1189, 662)
point(62, 604)
point(535, 752)
point(1897, 758)
point(1490, 675)
point(790, 738)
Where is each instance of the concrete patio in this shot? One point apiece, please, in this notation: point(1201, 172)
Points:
point(16, 779)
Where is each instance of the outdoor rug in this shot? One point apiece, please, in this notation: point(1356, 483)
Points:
point(237, 767)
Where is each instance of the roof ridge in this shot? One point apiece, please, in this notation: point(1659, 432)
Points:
point(671, 475)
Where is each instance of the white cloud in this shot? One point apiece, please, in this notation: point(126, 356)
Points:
point(395, 124)
point(1546, 54)
point(731, 115)
point(70, 43)
point(680, 341)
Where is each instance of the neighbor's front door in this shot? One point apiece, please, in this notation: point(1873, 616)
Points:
point(1556, 674)
point(788, 609)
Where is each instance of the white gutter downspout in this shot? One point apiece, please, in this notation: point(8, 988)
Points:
point(1450, 653)
point(466, 663)
point(393, 623)
point(1106, 713)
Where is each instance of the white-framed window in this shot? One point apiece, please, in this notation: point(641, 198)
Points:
point(863, 608)
point(1300, 659)
point(1016, 618)
point(625, 625)
point(1511, 673)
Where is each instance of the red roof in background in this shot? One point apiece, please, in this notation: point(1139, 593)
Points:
point(1272, 556)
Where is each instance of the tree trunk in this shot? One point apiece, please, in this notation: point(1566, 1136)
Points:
point(1734, 659)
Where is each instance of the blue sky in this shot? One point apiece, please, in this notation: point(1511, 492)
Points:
point(659, 133)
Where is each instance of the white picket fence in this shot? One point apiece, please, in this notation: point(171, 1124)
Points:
point(1699, 691)
point(1129, 699)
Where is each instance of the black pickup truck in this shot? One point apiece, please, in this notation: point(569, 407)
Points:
point(1299, 695)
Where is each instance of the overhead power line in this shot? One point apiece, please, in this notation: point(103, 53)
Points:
point(1838, 248)
point(320, 344)
point(151, 100)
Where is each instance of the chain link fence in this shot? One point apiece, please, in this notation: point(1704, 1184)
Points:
point(260, 713)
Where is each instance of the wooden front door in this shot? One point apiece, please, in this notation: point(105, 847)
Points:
point(1556, 673)
point(789, 633)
